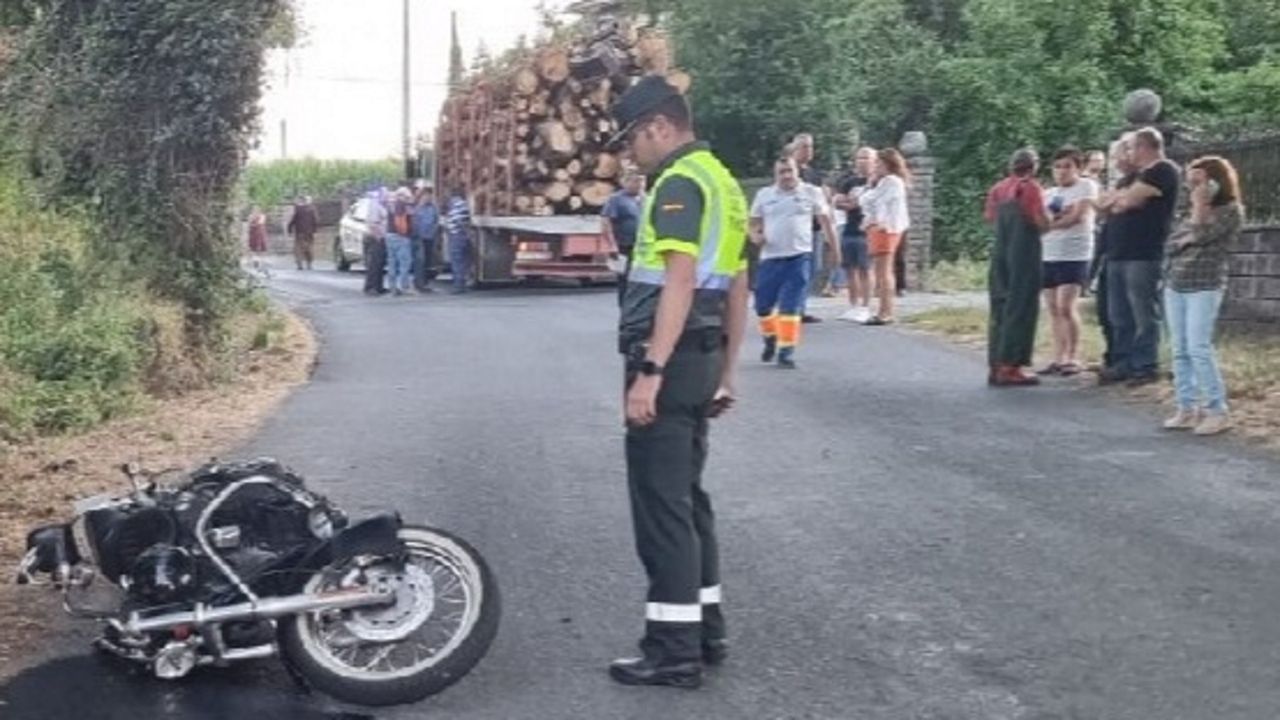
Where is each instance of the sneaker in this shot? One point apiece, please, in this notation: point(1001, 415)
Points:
point(770, 350)
point(1213, 423)
point(853, 315)
point(1184, 419)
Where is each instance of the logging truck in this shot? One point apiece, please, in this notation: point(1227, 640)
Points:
point(527, 144)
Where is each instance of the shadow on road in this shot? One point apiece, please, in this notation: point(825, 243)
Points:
point(89, 687)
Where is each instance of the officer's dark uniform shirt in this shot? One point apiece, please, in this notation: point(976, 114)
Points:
point(676, 210)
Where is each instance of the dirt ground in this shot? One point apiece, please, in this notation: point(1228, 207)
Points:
point(40, 481)
point(1250, 365)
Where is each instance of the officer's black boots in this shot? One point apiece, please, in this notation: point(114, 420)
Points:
point(787, 359)
point(645, 671)
point(714, 652)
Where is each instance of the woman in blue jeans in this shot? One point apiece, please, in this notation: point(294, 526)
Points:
point(1195, 281)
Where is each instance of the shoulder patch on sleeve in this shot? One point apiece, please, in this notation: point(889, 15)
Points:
point(677, 210)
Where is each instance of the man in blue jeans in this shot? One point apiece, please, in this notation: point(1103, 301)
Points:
point(1142, 218)
point(459, 239)
point(426, 228)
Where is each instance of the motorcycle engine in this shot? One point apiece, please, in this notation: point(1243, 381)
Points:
point(259, 528)
point(162, 574)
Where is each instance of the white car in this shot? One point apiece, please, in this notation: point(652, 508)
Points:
point(348, 246)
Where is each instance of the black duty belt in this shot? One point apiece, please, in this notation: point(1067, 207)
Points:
point(692, 341)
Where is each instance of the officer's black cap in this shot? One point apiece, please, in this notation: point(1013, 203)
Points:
point(637, 103)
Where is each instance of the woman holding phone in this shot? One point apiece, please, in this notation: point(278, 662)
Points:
point(1196, 261)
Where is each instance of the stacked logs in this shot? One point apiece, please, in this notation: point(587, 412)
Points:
point(530, 140)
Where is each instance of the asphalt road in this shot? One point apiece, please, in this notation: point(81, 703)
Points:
point(900, 542)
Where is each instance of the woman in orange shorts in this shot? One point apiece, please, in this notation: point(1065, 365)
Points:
point(886, 219)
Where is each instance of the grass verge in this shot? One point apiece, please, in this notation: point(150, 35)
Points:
point(1250, 363)
point(273, 353)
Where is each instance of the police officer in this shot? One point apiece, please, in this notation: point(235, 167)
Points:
point(682, 324)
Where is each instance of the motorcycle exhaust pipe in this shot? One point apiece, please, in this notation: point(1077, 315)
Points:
point(264, 609)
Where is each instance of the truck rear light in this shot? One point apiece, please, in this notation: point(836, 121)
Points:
point(534, 251)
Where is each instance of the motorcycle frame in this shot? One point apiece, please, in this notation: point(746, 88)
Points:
point(377, 535)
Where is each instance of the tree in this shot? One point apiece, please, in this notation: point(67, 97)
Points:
point(831, 69)
point(982, 77)
point(456, 68)
point(142, 111)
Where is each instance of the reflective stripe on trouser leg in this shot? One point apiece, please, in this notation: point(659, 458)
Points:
point(704, 522)
point(769, 325)
point(663, 464)
point(788, 331)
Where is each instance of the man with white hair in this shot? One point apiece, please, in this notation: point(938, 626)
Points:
point(854, 251)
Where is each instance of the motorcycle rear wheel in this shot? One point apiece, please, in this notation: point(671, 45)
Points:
point(447, 604)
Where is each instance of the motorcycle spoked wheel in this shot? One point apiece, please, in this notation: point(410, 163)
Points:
point(442, 622)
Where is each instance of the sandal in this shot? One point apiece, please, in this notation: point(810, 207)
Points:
point(1050, 369)
point(877, 321)
point(1070, 369)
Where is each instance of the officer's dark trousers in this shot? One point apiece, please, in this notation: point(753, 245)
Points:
point(1016, 276)
point(674, 524)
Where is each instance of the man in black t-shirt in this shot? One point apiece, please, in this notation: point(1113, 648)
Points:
point(853, 244)
point(1140, 223)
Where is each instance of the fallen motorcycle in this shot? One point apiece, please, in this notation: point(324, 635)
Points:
point(240, 561)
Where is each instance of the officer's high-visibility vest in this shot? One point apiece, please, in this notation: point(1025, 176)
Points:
point(723, 232)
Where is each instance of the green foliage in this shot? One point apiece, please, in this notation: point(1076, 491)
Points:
point(981, 77)
point(963, 275)
point(280, 181)
point(70, 355)
point(142, 112)
point(835, 69)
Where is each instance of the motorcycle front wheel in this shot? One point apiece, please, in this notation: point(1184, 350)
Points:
point(444, 617)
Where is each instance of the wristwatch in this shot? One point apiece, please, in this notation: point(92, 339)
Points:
point(650, 368)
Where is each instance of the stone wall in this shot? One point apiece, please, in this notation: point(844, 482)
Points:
point(920, 204)
point(1253, 293)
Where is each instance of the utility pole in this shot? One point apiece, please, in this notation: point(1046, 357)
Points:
point(405, 97)
point(284, 119)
